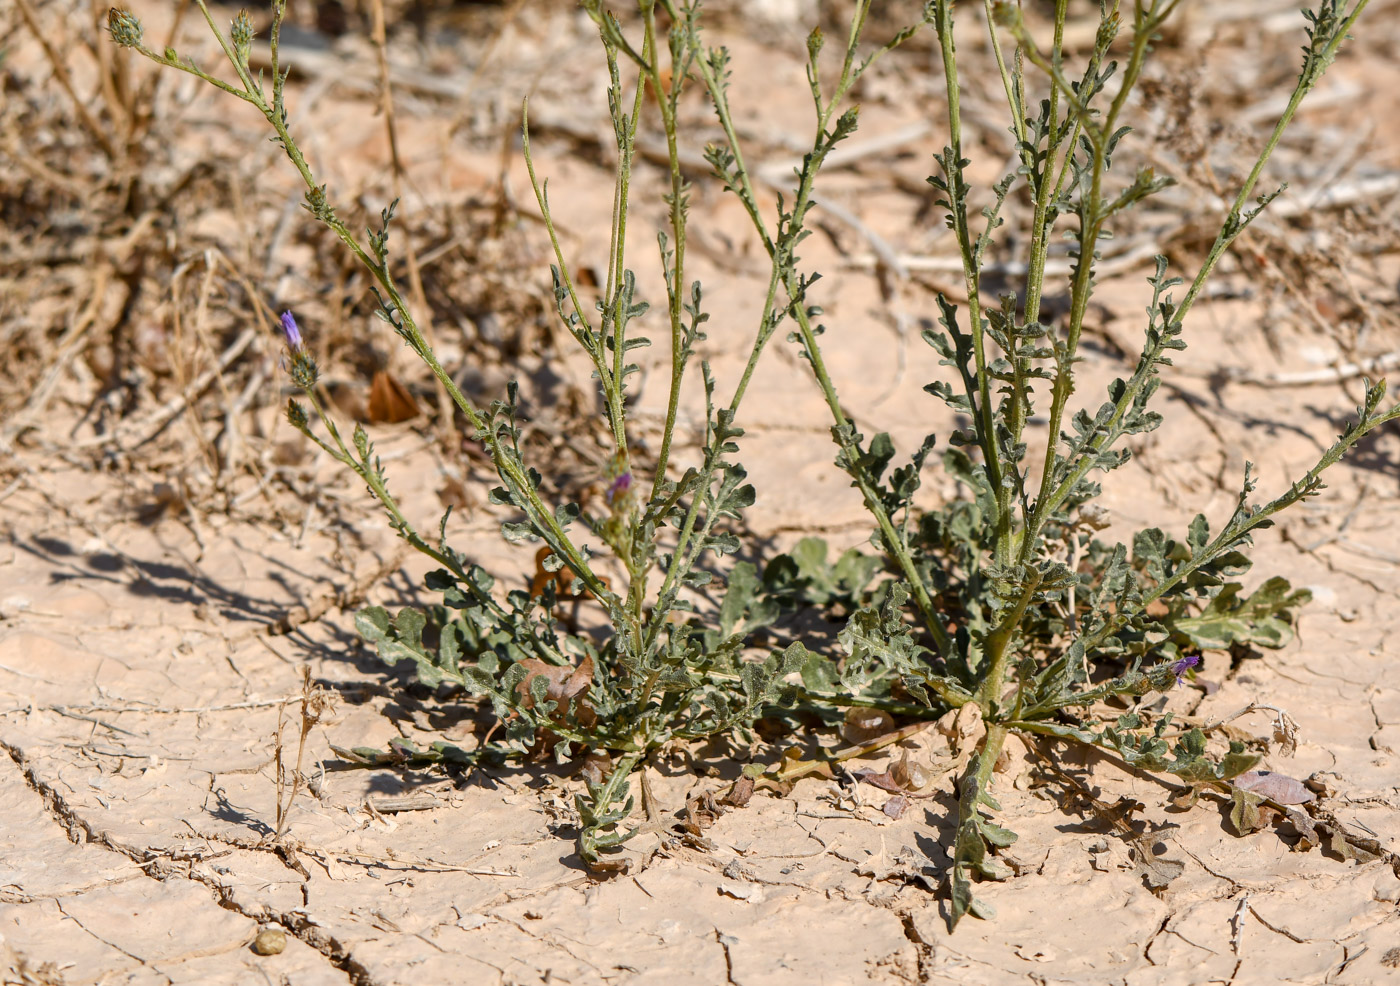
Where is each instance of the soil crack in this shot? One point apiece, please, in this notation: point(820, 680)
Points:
point(80, 831)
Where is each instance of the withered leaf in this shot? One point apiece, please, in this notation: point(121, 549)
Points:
point(606, 866)
point(880, 779)
point(1277, 787)
point(909, 776)
point(700, 813)
point(1244, 811)
point(907, 866)
point(740, 794)
point(1303, 822)
point(1188, 796)
point(1156, 871)
point(562, 579)
point(896, 806)
point(596, 767)
point(564, 684)
point(389, 400)
point(1348, 846)
point(865, 724)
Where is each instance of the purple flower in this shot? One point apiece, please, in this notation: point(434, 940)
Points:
point(289, 326)
point(618, 487)
point(1185, 664)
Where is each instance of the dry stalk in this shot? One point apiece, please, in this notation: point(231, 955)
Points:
point(316, 706)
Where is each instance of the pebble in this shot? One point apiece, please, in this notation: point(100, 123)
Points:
point(270, 941)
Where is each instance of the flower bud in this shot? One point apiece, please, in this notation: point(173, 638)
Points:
point(293, 331)
point(242, 34)
point(618, 489)
point(304, 372)
point(125, 28)
point(296, 415)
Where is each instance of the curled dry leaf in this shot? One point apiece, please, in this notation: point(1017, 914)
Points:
point(896, 806)
point(389, 400)
point(1155, 870)
point(1309, 837)
point(878, 778)
point(1285, 733)
point(562, 579)
point(1277, 787)
point(1323, 783)
point(908, 866)
point(596, 767)
point(1248, 813)
point(701, 811)
point(909, 776)
point(964, 727)
point(904, 778)
point(740, 794)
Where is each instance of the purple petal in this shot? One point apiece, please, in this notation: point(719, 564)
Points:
point(1185, 664)
point(618, 487)
point(289, 326)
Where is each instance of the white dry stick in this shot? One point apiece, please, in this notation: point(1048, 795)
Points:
point(1237, 923)
point(1303, 378)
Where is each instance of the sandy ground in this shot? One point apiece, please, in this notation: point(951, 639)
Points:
point(154, 625)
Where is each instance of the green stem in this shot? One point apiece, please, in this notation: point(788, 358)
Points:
point(957, 212)
point(997, 649)
point(851, 453)
point(668, 101)
point(1314, 65)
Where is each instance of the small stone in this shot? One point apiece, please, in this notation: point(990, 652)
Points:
point(12, 606)
point(270, 941)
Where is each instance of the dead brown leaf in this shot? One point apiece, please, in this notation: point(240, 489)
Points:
point(565, 684)
point(739, 794)
point(1274, 786)
point(389, 400)
point(700, 812)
